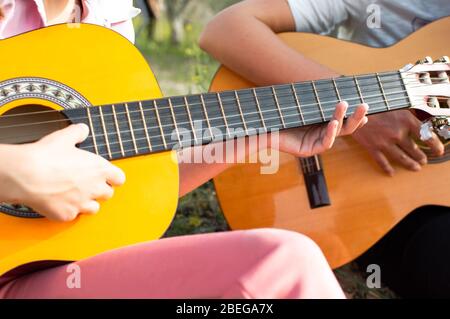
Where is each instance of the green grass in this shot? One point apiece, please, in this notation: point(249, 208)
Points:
point(198, 212)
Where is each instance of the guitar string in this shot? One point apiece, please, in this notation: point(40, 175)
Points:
point(387, 73)
point(397, 107)
point(315, 104)
point(261, 97)
point(139, 121)
point(240, 100)
point(136, 152)
point(223, 101)
point(158, 127)
point(286, 86)
point(320, 81)
point(110, 134)
point(92, 116)
point(223, 136)
point(206, 105)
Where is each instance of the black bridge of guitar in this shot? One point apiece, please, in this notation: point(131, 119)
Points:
point(315, 182)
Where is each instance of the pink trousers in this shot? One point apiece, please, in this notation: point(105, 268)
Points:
point(264, 263)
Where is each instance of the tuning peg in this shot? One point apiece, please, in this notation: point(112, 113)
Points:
point(443, 59)
point(440, 125)
point(426, 60)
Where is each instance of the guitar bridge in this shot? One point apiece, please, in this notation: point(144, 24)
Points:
point(315, 181)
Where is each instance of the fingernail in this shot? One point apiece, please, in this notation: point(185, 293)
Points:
point(417, 167)
point(83, 126)
point(345, 104)
point(423, 161)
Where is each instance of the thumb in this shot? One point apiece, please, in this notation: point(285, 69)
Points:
point(73, 134)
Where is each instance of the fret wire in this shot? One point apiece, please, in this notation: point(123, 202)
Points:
point(202, 100)
point(358, 88)
point(174, 120)
point(105, 132)
point(389, 93)
point(223, 114)
point(318, 100)
point(396, 92)
point(275, 127)
point(345, 80)
point(382, 91)
point(297, 101)
point(240, 111)
point(329, 110)
point(190, 119)
point(118, 129)
point(259, 109)
point(159, 123)
point(336, 90)
point(374, 109)
point(92, 130)
point(145, 127)
point(130, 124)
point(271, 95)
point(391, 81)
point(278, 106)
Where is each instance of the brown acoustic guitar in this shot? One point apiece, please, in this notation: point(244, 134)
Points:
point(342, 200)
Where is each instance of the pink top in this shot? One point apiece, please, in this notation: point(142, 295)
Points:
point(18, 16)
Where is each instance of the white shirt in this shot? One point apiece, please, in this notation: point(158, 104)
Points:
point(377, 23)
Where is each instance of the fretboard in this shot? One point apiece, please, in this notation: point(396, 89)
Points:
point(137, 128)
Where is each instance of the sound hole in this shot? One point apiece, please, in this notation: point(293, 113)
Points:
point(29, 123)
point(26, 124)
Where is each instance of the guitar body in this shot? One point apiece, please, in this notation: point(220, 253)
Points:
point(102, 67)
point(365, 203)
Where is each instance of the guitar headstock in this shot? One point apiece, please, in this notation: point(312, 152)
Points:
point(428, 86)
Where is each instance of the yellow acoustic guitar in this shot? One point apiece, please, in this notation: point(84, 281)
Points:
point(55, 76)
point(341, 199)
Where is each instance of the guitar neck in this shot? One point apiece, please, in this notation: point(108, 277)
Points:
point(143, 127)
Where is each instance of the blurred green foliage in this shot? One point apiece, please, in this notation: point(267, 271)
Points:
point(183, 68)
point(198, 212)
